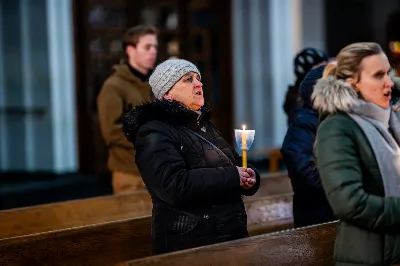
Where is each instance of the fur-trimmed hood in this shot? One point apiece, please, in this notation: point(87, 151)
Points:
point(332, 95)
point(171, 112)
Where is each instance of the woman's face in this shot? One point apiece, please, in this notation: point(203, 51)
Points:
point(375, 84)
point(188, 91)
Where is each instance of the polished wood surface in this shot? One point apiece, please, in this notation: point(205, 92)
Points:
point(123, 240)
point(55, 216)
point(101, 244)
point(311, 246)
point(49, 217)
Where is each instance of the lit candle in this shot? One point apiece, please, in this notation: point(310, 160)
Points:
point(244, 147)
point(244, 139)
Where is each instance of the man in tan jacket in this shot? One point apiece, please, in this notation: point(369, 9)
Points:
point(125, 88)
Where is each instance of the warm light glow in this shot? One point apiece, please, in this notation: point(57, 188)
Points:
point(244, 127)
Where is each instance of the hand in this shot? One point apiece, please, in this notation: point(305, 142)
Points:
point(249, 183)
point(246, 179)
point(251, 173)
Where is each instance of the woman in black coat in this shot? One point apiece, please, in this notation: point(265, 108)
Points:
point(189, 170)
point(310, 205)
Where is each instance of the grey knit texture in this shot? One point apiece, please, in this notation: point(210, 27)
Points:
point(168, 73)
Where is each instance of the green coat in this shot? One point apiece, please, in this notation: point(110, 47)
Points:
point(369, 228)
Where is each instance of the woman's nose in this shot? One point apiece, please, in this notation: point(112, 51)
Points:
point(198, 83)
point(389, 82)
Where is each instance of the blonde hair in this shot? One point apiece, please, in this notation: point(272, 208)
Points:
point(328, 69)
point(349, 59)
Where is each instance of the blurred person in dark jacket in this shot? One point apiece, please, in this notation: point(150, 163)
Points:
point(192, 174)
point(310, 205)
point(304, 61)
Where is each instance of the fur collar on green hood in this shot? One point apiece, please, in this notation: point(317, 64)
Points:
point(333, 95)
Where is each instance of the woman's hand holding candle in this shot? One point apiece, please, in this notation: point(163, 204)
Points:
point(252, 180)
point(247, 177)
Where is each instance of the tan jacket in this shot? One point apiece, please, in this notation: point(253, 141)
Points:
point(120, 92)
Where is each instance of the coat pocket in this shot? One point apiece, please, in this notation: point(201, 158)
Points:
point(180, 223)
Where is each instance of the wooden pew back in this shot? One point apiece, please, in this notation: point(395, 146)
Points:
point(49, 217)
point(273, 184)
point(118, 241)
point(101, 244)
point(55, 216)
point(311, 246)
point(269, 214)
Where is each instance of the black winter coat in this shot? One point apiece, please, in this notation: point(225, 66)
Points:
point(310, 205)
point(292, 101)
point(190, 173)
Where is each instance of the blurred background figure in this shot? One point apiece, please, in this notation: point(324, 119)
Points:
point(310, 205)
point(304, 61)
point(124, 89)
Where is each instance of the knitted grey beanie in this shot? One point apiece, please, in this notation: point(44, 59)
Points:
point(168, 73)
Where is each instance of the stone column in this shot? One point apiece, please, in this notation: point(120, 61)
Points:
point(62, 84)
point(38, 129)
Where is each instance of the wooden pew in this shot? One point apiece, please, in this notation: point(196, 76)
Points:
point(49, 217)
point(269, 214)
point(101, 244)
point(311, 246)
point(55, 216)
point(274, 184)
point(119, 241)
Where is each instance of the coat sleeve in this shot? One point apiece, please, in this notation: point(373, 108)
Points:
point(162, 167)
point(110, 108)
point(341, 174)
point(297, 154)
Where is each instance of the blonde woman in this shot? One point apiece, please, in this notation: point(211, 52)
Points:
point(358, 155)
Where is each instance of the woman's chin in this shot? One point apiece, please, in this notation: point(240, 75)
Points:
point(196, 105)
point(199, 100)
point(384, 104)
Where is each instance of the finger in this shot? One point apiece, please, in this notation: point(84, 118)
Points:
point(247, 186)
point(242, 182)
point(250, 171)
point(253, 175)
point(245, 175)
point(241, 169)
point(252, 180)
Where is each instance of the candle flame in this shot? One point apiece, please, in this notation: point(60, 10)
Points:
point(244, 127)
